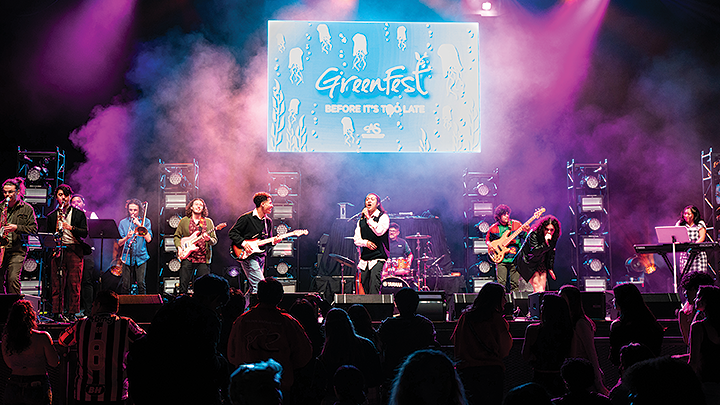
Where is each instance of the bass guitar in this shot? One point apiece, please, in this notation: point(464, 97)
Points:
point(500, 246)
point(239, 253)
point(188, 244)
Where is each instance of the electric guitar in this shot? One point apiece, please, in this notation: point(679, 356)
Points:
point(188, 244)
point(239, 253)
point(500, 245)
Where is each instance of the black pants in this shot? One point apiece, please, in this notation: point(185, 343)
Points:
point(371, 279)
point(186, 273)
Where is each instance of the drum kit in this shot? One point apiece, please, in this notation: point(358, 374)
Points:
point(399, 272)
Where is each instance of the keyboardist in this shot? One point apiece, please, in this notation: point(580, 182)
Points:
point(690, 219)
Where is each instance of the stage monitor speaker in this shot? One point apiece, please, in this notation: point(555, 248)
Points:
point(380, 306)
point(289, 284)
point(7, 300)
point(595, 304)
point(289, 299)
point(534, 303)
point(432, 305)
point(662, 305)
point(460, 302)
point(140, 308)
point(520, 300)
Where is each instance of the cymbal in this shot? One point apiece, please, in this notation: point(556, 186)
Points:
point(426, 258)
point(342, 260)
point(417, 236)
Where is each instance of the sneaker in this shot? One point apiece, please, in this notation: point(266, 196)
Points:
point(81, 315)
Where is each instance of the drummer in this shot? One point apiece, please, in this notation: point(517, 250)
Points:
point(399, 253)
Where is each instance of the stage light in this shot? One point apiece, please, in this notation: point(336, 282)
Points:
point(640, 264)
point(281, 229)
point(174, 221)
point(30, 265)
point(591, 203)
point(483, 226)
point(283, 249)
point(487, 6)
point(593, 264)
point(591, 182)
point(480, 246)
point(233, 271)
point(283, 191)
point(282, 211)
point(282, 268)
point(36, 195)
point(597, 284)
point(176, 200)
point(169, 243)
point(484, 267)
point(590, 223)
point(174, 264)
point(481, 209)
point(593, 244)
point(36, 174)
point(487, 189)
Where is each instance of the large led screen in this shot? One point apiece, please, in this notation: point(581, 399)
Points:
point(373, 87)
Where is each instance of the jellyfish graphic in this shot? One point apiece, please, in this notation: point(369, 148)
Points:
point(453, 70)
point(280, 42)
point(348, 131)
point(359, 51)
point(402, 37)
point(324, 35)
point(296, 66)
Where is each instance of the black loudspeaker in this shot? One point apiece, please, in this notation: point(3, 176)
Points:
point(140, 308)
point(432, 305)
point(662, 305)
point(520, 300)
point(595, 304)
point(289, 299)
point(380, 306)
point(534, 303)
point(7, 300)
point(460, 302)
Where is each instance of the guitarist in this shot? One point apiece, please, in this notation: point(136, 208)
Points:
point(507, 266)
point(195, 219)
point(135, 262)
point(18, 219)
point(255, 224)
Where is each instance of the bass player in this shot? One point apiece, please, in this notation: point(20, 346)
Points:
point(195, 219)
point(506, 268)
point(255, 224)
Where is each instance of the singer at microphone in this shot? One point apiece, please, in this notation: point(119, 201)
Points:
point(371, 235)
point(537, 255)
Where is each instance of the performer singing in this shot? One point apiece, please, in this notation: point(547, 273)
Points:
point(371, 235)
point(18, 218)
point(399, 248)
point(70, 226)
point(697, 230)
point(255, 224)
point(135, 234)
point(507, 266)
point(537, 255)
point(195, 219)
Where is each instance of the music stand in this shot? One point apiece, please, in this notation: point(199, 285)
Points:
point(673, 235)
point(345, 262)
point(102, 229)
point(47, 242)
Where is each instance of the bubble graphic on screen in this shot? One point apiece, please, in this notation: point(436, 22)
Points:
point(348, 130)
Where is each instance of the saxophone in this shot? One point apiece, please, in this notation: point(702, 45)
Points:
point(4, 241)
point(59, 230)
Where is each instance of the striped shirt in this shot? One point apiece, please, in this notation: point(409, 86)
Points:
point(103, 341)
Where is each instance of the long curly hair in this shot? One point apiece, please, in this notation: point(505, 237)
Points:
point(540, 225)
point(20, 323)
point(696, 215)
point(188, 208)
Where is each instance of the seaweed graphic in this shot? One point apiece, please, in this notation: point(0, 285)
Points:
point(278, 122)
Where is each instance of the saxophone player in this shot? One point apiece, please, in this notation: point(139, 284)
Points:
point(135, 234)
point(70, 226)
point(18, 217)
